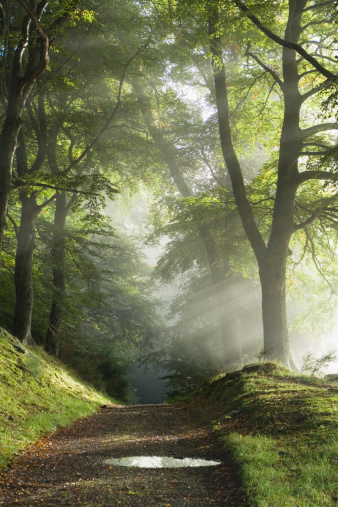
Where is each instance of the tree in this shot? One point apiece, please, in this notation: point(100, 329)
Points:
point(25, 56)
point(51, 129)
point(295, 142)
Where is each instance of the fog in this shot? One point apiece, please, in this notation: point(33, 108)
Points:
point(191, 342)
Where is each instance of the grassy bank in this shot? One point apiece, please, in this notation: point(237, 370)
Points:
point(37, 394)
point(283, 432)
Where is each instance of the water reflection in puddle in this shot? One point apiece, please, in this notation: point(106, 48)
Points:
point(160, 462)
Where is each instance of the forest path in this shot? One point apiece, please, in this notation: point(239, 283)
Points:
point(68, 468)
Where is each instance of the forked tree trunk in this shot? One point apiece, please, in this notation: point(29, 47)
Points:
point(271, 258)
point(22, 81)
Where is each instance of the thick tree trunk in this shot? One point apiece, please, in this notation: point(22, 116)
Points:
point(24, 269)
point(276, 340)
point(58, 256)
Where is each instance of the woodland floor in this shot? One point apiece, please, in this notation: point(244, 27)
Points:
point(67, 467)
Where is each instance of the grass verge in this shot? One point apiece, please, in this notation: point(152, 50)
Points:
point(282, 430)
point(37, 395)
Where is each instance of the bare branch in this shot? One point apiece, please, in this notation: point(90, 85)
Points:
point(282, 42)
point(265, 67)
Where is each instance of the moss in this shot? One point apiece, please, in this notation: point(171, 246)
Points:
point(37, 394)
point(282, 430)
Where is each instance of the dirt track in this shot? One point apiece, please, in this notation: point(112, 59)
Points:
point(68, 467)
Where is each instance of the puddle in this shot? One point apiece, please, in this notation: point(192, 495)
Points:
point(160, 462)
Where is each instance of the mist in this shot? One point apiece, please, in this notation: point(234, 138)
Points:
point(190, 346)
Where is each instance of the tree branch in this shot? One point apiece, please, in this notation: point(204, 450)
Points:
point(19, 184)
point(15, 227)
point(31, 75)
point(308, 221)
point(316, 263)
point(320, 145)
point(112, 115)
point(317, 89)
point(311, 153)
point(318, 6)
point(318, 128)
point(265, 67)
point(318, 22)
point(229, 154)
point(316, 175)
point(46, 203)
point(282, 42)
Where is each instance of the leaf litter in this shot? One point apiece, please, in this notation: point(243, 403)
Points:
point(68, 467)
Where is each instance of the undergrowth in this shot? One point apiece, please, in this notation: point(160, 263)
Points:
point(282, 430)
point(37, 394)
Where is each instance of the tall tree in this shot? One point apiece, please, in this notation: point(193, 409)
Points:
point(24, 57)
point(296, 141)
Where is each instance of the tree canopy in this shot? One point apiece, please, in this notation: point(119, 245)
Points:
point(225, 115)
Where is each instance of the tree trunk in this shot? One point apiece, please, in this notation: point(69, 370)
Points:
point(24, 269)
point(8, 143)
point(58, 256)
point(221, 285)
point(22, 81)
point(276, 340)
point(272, 259)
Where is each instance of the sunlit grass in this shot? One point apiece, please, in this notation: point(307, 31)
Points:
point(37, 395)
point(282, 430)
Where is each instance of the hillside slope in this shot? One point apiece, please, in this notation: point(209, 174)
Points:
point(37, 394)
point(282, 430)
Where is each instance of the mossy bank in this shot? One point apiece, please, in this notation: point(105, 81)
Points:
point(282, 430)
point(37, 395)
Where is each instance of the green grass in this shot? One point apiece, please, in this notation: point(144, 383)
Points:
point(282, 430)
point(37, 395)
